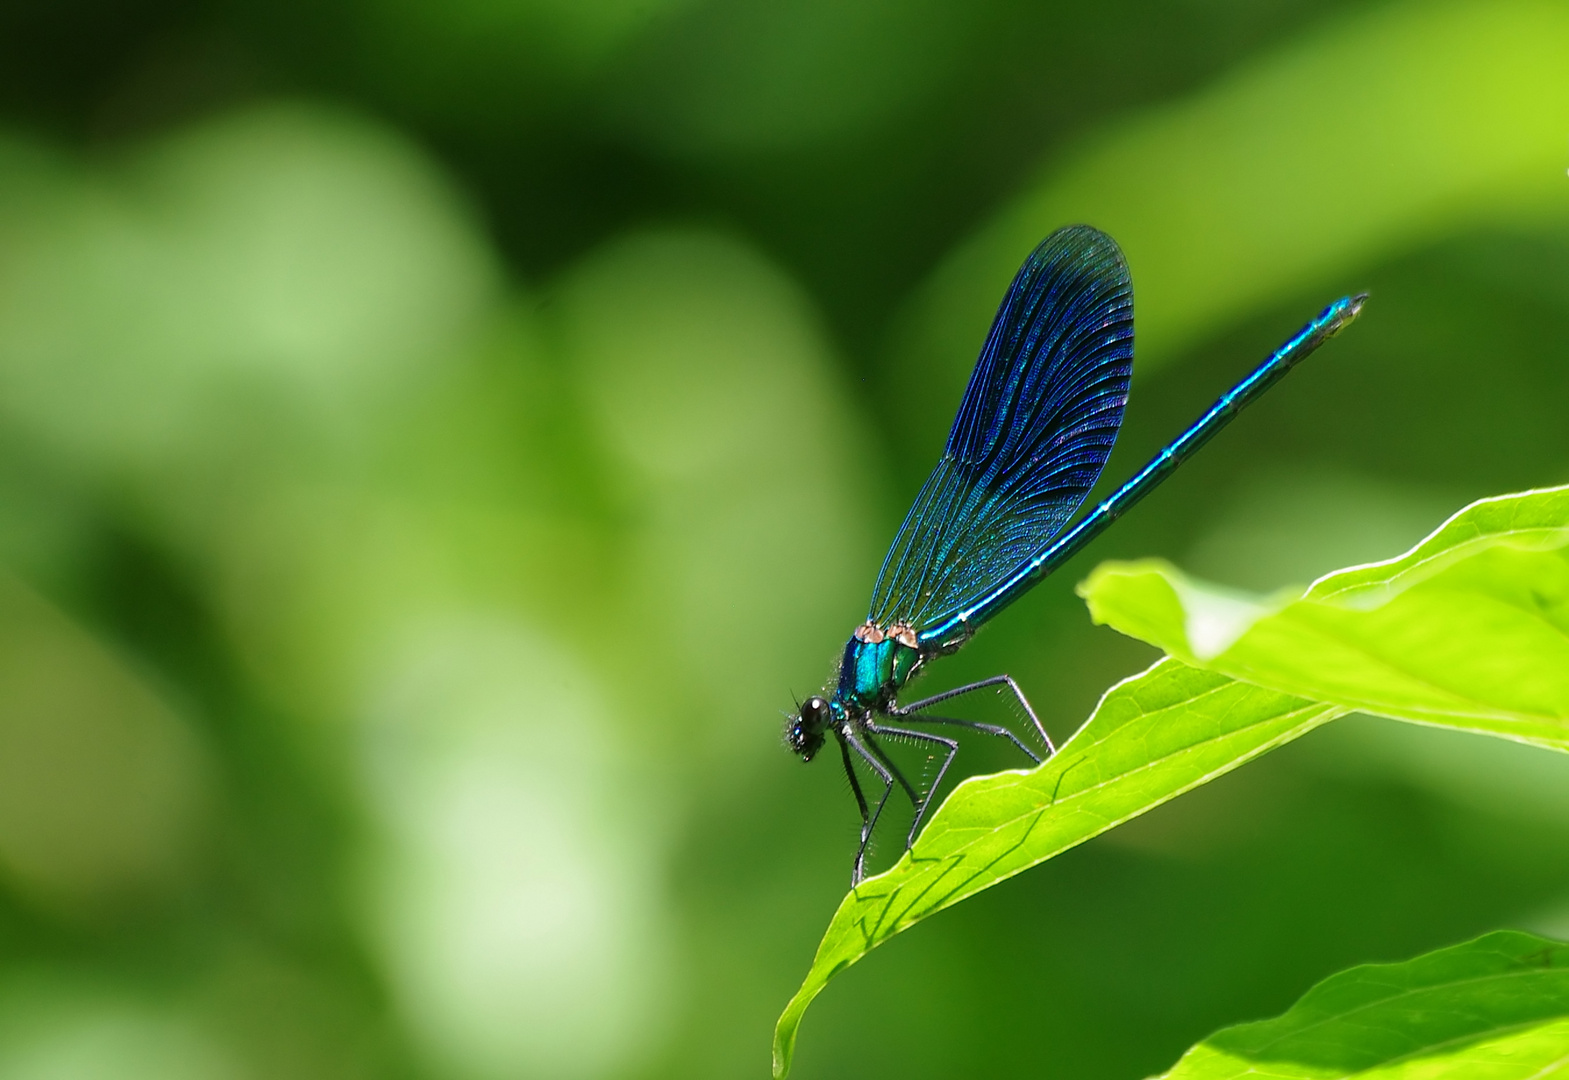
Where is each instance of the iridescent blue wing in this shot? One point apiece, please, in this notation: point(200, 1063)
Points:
point(1034, 430)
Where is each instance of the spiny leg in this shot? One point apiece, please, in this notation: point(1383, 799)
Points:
point(970, 688)
point(921, 805)
point(870, 821)
point(855, 786)
point(990, 729)
point(882, 755)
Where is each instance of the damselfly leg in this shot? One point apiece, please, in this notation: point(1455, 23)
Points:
point(868, 820)
point(860, 799)
point(905, 712)
point(975, 725)
point(887, 770)
point(923, 802)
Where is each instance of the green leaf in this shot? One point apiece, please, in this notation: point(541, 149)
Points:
point(1496, 1008)
point(1468, 629)
point(1151, 738)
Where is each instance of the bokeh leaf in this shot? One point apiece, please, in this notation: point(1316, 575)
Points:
point(1470, 628)
point(105, 788)
point(285, 265)
point(1496, 1007)
point(1152, 737)
point(1260, 184)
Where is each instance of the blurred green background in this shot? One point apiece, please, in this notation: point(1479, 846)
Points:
point(438, 437)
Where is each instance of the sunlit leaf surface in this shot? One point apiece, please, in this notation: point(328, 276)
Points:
point(1151, 738)
point(1496, 1008)
point(1469, 628)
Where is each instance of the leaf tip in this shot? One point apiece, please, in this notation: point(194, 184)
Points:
point(784, 1045)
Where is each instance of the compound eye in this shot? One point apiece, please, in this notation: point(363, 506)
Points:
point(815, 708)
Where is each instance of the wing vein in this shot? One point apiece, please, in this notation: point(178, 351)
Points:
point(1037, 422)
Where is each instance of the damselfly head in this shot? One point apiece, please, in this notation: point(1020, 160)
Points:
point(808, 728)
